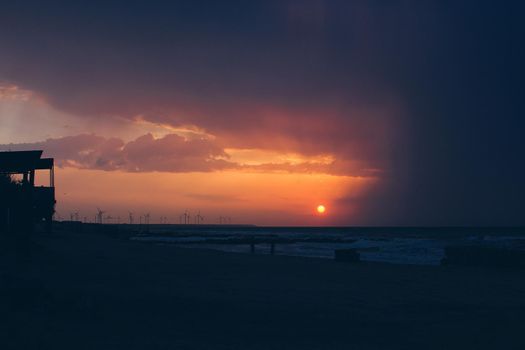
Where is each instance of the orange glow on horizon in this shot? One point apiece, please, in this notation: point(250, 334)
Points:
point(250, 198)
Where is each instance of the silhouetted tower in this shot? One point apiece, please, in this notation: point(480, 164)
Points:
point(37, 203)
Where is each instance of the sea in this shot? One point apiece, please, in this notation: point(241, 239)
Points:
point(396, 245)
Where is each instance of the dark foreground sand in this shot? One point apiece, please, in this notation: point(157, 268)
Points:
point(92, 292)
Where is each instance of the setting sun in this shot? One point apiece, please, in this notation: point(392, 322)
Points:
point(321, 209)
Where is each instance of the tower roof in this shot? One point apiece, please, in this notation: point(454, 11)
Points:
point(23, 161)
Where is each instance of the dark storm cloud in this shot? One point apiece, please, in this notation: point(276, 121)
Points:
point(430, 92)
point(235, 69)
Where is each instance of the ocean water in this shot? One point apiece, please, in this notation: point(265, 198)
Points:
point(398, 245)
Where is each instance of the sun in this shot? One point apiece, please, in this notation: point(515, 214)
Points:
point(321, 209)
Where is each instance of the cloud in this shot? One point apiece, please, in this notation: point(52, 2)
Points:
point(174, 153)
point(214, 198)
point(171, 153)
point(338, 168)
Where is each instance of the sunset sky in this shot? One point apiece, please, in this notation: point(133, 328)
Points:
point(387, 113)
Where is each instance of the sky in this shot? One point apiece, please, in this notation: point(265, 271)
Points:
point(386, 112)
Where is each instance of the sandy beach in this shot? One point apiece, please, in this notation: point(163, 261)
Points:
point(81, 291)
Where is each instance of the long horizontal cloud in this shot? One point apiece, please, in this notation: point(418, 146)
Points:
point(171, 153)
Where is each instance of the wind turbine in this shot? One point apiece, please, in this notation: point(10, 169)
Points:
point(146, 218)
point(198, 218)
point(100, 216)
point(186, 217)
point(146, 222)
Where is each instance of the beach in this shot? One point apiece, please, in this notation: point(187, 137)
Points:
point(91, 291)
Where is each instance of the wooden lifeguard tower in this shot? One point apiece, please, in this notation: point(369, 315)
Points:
point(26, 204)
